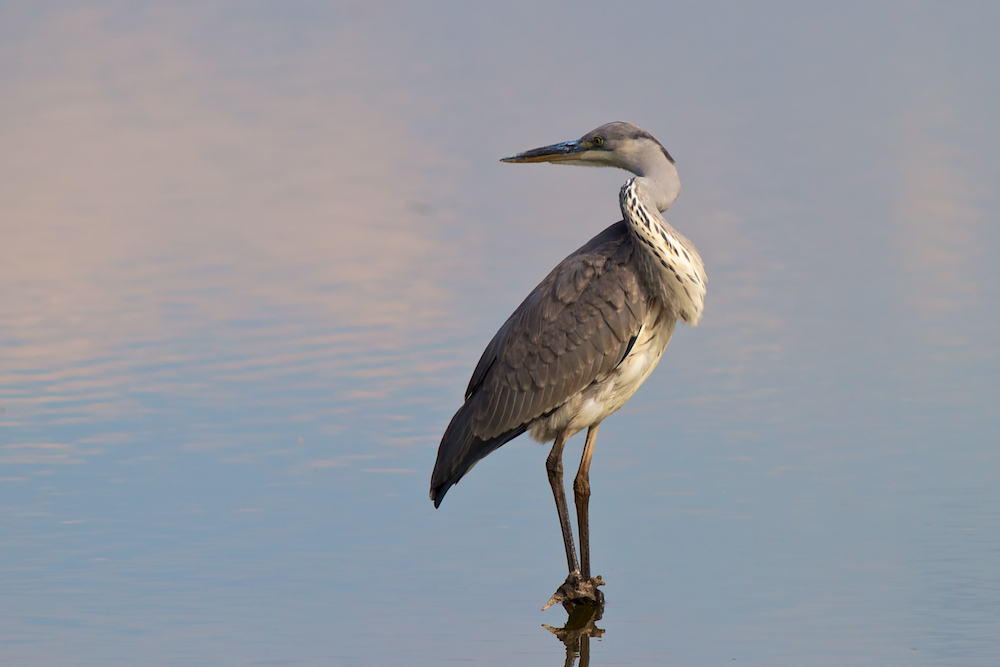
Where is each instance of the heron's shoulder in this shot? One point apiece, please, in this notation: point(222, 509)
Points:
point(610, 241)
point(600, 267)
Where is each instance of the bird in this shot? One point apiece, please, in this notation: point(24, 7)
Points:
point(585, 338)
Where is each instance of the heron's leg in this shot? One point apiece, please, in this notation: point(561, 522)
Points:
point(581, 493)
point(554, 468)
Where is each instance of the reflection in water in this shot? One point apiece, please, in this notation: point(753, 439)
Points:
point(579, 628)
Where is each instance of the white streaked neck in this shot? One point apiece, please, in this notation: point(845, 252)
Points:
point(670, 263)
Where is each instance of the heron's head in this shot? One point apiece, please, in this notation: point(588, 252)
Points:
point(621, 145)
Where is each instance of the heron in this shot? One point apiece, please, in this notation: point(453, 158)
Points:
point(585, 338)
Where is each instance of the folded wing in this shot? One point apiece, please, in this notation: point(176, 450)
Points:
point(572, 330)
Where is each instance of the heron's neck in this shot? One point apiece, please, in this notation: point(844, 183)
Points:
point(657, 182)
point(669, 262)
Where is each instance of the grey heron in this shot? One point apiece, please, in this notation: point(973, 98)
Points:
point(582, 342)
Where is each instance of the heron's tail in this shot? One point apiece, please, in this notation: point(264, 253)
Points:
point(461, 449)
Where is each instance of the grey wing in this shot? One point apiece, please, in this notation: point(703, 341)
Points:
point(573, 329)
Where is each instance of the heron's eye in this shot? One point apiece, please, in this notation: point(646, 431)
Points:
point(598, 141)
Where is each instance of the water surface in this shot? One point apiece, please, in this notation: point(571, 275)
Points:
point(249, 257)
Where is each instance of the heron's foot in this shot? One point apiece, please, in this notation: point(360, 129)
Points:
point(577, 590)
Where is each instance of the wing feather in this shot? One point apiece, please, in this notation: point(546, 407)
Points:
point(571, 330)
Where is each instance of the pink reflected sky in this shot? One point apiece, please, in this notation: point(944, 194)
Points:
point(318, 189)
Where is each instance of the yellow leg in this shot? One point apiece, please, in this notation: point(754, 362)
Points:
point(581, 493)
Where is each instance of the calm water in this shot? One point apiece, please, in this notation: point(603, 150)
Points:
point(250, 254)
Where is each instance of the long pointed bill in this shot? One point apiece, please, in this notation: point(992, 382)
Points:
point(567, 150)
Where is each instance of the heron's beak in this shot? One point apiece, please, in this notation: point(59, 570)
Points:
point(567, 150)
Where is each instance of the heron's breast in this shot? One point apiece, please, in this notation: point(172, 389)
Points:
point(605, 396)
point(608, 395)
point(644, 355)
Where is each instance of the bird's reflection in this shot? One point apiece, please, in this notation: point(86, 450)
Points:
point(579, 628)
